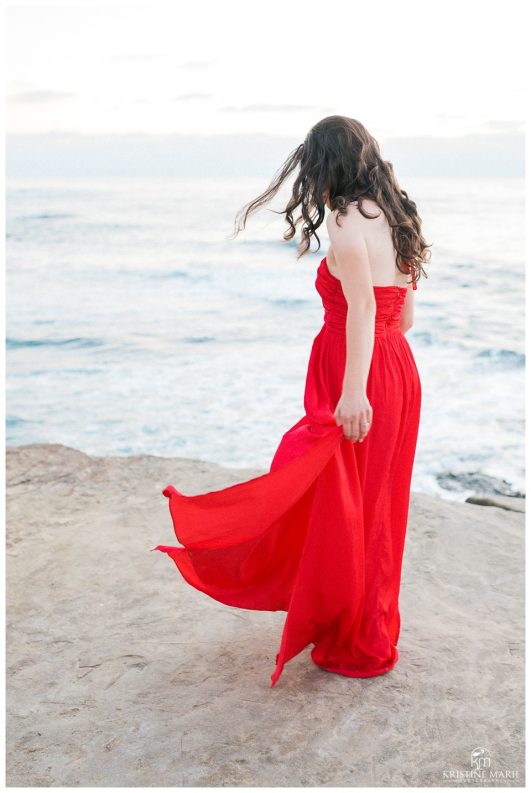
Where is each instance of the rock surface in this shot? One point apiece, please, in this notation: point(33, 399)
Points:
point(121, 674)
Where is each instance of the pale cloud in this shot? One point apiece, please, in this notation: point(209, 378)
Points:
point(31, 97)
point(494, 125)
point(191, 97)
point(257, 108)
point(138, 56)
point(197, 65)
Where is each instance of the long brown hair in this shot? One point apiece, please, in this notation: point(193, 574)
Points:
point(341, 159)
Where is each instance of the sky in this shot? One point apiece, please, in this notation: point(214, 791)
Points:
point(408, 69)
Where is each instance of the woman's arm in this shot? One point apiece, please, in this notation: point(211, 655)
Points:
point(406, 315)
point(350, 252)
point(352, 261)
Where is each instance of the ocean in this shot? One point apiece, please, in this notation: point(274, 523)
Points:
point(135, 326)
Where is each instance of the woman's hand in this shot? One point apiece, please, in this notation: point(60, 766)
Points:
point(354, 413)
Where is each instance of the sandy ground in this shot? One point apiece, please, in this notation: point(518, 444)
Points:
point(121, 674)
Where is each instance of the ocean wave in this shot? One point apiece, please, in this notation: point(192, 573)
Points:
point(287, 302)
point(16, 421)
point(47, 216)
point(505, 357)
point(423, 336)
point(172, 274)
point(78, 343)
point(181, 274)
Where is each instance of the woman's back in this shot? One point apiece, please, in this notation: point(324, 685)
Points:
point(380, 248)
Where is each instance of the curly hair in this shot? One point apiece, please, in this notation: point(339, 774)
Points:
point(339, 159)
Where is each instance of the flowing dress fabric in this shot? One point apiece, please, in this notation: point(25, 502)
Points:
point(321, 534)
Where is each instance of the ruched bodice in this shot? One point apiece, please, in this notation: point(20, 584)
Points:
point(389, 302)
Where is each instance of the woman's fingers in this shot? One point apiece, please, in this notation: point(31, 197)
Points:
point(366, 424)
point(357, 428)
point(363, 427)
point(352, 430)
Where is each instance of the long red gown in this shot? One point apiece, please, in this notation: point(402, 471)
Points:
point(321, 535)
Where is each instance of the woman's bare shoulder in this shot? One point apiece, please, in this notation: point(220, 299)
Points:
point(355, 216)
point(374, 216)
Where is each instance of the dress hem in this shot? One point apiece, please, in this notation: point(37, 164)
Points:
point(349, 673)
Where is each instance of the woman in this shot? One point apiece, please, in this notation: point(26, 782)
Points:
point(321, 535)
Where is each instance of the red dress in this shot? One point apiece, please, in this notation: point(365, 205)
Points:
point(321, 535)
